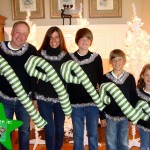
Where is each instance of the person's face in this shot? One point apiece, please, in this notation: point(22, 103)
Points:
point(118, 63)
point(54, 40)
point(19, 35)
point(84, 43)
point(146, 77)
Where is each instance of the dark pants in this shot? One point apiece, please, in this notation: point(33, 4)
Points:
point(54, 130)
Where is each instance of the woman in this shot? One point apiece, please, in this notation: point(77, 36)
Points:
point(54, 51)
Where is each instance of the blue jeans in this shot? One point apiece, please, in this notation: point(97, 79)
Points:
point(145, 139)
point(54, 130)
point(91, 114)
point(117, 135)
point(16, 107)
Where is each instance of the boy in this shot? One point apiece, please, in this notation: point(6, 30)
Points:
point(82, 102)
point(117, 123)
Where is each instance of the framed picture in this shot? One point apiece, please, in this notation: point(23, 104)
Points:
point(74, 7)
point(19, 9)
point(105, 8)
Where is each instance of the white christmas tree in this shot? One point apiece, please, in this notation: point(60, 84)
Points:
point(137, 45)
point(32, 36)
point(137, 48)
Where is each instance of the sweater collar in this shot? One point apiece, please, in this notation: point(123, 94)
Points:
point(53, 51)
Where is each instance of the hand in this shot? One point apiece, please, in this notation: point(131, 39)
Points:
point(38, 129)
point(35, 104)
point(97, 87)
point(103, 123)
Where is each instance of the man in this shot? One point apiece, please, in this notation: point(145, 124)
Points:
point(16, 52)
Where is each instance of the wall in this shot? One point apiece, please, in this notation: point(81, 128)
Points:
point(106, 37)
point(146, 15)
point(6, 10)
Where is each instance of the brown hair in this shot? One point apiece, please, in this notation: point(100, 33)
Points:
point(21, 22)
point(83, 32)
point(116, 53)
point(48, 34)
point(141, 83)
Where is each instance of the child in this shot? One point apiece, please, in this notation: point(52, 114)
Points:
point(117, 123)
point(82, 103)
point(143, 90)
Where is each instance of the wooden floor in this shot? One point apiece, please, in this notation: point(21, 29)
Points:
point(66, 145)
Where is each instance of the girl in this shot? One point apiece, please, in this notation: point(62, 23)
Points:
point(143, 90)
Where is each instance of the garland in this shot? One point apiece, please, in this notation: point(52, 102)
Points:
point(134, 114)
point(9, 74)
point(50, 75)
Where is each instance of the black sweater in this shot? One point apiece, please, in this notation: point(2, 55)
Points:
point(127, 86)
point(55, 57)
point(145, 97)
point(16, 59)
point(91, 63)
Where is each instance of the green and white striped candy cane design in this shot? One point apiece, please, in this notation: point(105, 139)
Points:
point(143, 105)
point(9, 74)
point(50, 75)
point(134, 114)
point(82, 78)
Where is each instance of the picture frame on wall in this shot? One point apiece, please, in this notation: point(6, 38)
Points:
point(57, 5)
point(19, 9)
point(105, 8)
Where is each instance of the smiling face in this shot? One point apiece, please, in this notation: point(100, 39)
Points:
point(54, 40)
point(146, 77)
point(84, 43)
point(19, 35)
point(118, 63)
point(83, 39)
point(117, 59)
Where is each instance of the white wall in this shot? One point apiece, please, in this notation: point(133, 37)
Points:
point(106, 37)
point(146, 15)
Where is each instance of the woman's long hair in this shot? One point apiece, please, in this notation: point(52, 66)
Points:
point(48, 34)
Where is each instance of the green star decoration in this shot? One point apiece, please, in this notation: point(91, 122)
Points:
point(6, 127)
